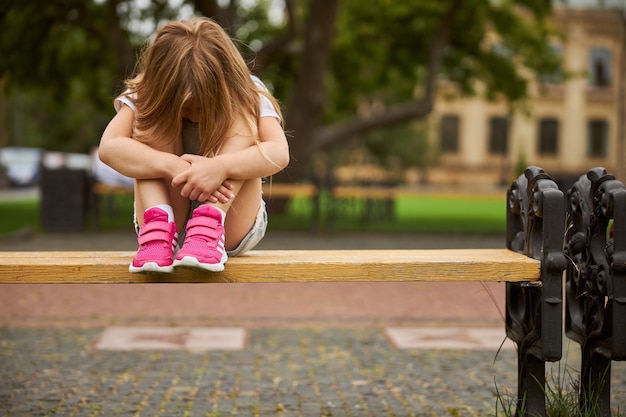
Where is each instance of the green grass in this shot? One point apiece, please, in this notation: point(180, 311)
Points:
point(22, 215)
point(19, 215)
point(428, 214)
point(562, 394)
point(465, 215)
point(447, 214)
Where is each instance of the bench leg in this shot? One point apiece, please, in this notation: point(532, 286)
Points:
point(595, 384)
point(595, 290)
point(531, 382)
point(535, 227)
point(523, 325)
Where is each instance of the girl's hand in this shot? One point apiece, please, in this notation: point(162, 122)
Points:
point(222, 194)
point(205, 180)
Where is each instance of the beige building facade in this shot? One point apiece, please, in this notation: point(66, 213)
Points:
point(570, 126)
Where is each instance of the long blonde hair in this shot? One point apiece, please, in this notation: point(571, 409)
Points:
point(193, 62)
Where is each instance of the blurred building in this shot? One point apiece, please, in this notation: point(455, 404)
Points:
point(574, 123)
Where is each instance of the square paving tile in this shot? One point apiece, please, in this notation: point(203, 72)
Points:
point(448, 338)
point(194, 339)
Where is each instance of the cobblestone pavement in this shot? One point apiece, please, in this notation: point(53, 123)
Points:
point(309, 357)
point(282, 372)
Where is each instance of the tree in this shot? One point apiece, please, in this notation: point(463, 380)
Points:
point(62, 61)
point(341, 68)
point(390, 57)
point(411, 47)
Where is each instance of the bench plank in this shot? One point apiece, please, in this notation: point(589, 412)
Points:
point(281, 190)
point(280, 266)
point(101, 188)
point(277, 190)
point(381, 192)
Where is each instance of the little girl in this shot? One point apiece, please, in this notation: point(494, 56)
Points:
point(197, 132)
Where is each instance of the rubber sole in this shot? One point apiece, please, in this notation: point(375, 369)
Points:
point(150, 268)
point(193, 263)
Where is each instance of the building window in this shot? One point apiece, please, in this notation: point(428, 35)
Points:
point(449, 134)
point(598, 137)
point(600, 67)
point(548, 137)
point(499, 135)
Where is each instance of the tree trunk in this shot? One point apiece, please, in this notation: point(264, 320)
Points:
point(306, 107)
point(119, 38)
point(225, 16)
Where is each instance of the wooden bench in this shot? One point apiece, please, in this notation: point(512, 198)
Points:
point(102, 189)
point(308, 193)
point(283, 190)
point(280, 266)
point(380, 192)
point(532, 266)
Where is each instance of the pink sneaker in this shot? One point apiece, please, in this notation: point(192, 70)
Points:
point(157, 240)
point(203, 247)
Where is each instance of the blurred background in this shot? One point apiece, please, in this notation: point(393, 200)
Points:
point(398, 113)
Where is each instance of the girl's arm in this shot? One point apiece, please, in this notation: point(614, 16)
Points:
point(132, 158)
point(269, 156)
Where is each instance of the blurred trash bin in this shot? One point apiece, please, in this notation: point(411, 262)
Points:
point(64, 196)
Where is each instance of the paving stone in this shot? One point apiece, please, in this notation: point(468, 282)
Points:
point(283, 372)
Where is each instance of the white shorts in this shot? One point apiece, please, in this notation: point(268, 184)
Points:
point(254, 235)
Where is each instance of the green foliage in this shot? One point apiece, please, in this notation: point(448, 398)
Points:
point(57, 66)
point(48, 44)
point(62, 62)
point(378, 51)
point(36, 119)
point(65, 59)
point(382, 48)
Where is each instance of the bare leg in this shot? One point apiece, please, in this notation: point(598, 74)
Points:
point(242, 213)
point(243, 208)
point(152, 192)
point(157, 234)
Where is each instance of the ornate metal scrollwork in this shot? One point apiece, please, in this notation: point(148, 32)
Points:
point(535, 227)
point(595, 313)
